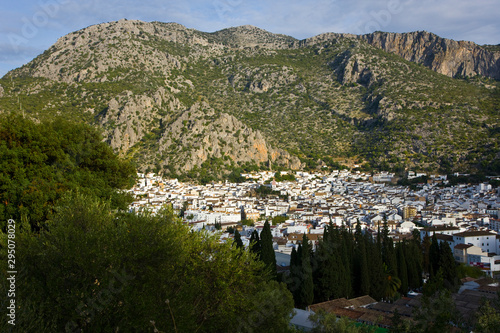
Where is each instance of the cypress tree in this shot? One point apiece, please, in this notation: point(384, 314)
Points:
point(306, 290)
point(414, 259)
point(361, 273)
point(294, 278)
point(402, 268)
point(255, 242)
point(267, 254)
point(447, 264)
point(346, 255)
point(434, 256)
point(321, 272)
point(426, 246)
point(388, 251)
point(327, 267)
point(237, 240)
point(376, 266)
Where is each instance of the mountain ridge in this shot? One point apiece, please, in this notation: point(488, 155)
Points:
point(181, 101)
point(445, 56)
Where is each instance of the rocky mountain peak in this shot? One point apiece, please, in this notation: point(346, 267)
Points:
point(445, 56)
point(251, 36)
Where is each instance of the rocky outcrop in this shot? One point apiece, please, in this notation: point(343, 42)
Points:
point(250, 36)
point(442, 55)
point(129, 117)
point(445, 56)
point(353, 69)
point(199, 134)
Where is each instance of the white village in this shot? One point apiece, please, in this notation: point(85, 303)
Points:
point(465, 216)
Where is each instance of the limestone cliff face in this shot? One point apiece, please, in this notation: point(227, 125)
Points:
point(199, 134)
point(442, 55)
point(128, 117)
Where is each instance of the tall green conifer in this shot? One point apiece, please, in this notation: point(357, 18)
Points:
point(255, 242)
point(402, 268)
point(267, 254)
point(306, 291)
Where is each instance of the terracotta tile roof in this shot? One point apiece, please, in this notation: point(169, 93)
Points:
point(362, 301)
point(328, 306)
point(352, 314)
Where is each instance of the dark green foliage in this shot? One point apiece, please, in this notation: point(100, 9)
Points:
point(293, 280)
point(349, 264)
point(306, 290)
point(388, 251)
point(332, 265)
point(237, 240)
point(399, 324)
point(426, 247)
point(265, 191)
point(40, 162)
point(100, 271)
point(488, 316)
point(413, 255)
point(378, 281)
point(218, 225)
point(437, 314)
point(448, 265)
point(434, 256)
point(278, 219)
point(361, 274)
point(255, 243)
point(402, 272)
point(185, 205)
point(279, 177)
point(267, 254)
point(300, 280)
point(464, 270)
point(329, 323)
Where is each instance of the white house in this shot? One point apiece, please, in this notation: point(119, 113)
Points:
point(406, 227)
point(438, 230)
point(486, 240)
point(488, 262)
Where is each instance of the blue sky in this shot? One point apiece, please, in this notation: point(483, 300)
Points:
point(29, 27)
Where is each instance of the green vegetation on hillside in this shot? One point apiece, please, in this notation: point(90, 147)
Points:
point(42, 161)
point(85, 264)
point(327, 102)
point(99, 271)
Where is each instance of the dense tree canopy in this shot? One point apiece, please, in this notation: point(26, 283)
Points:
point(40, 161)
point(102, 272)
